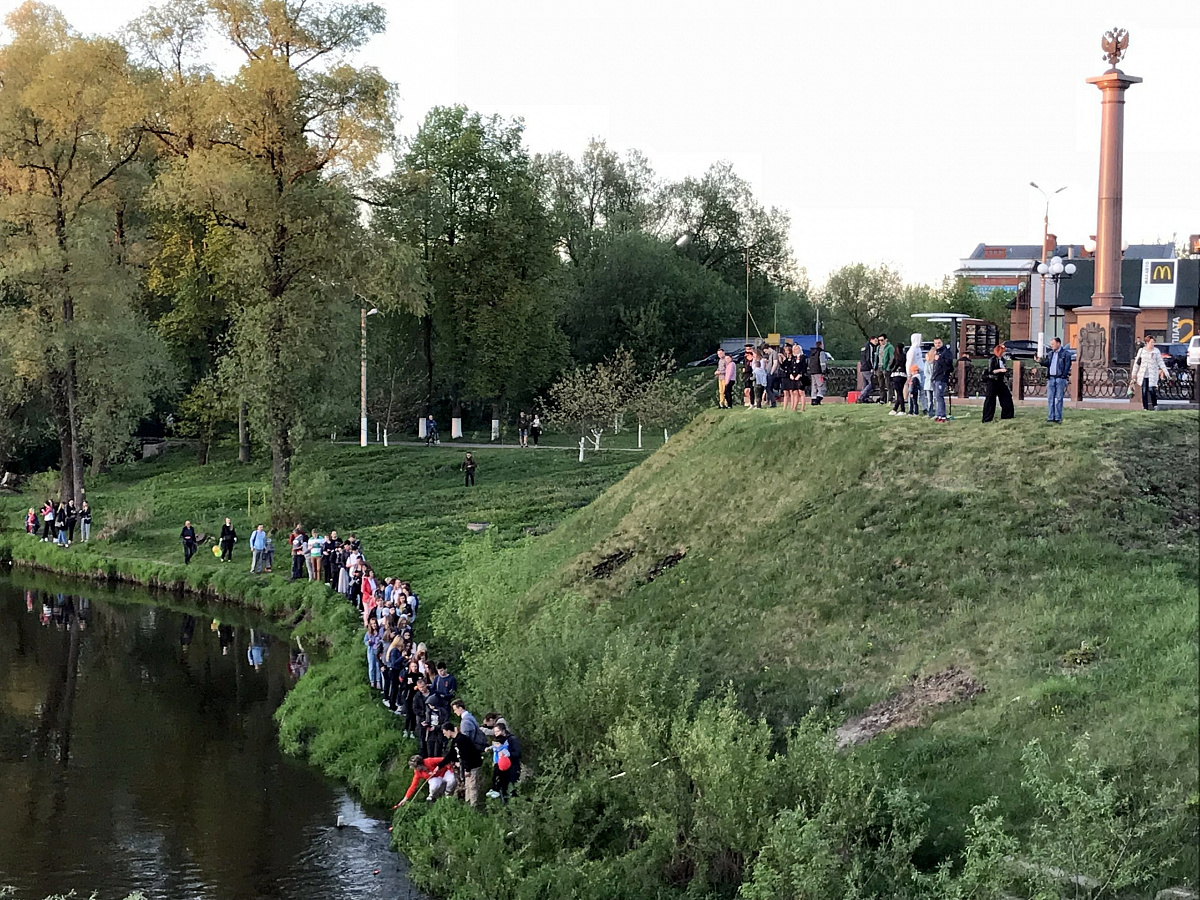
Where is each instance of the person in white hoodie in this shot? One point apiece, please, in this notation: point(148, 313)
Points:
point(914, 368)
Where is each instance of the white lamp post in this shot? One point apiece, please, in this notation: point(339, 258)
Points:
point(362, 431)
point(1056, 269)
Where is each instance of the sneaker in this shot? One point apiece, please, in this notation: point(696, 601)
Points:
point(493, 795)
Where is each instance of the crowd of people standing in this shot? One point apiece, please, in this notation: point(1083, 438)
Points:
point(773, 375)
point(59, 521)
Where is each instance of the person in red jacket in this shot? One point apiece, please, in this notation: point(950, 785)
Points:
point(436, 771)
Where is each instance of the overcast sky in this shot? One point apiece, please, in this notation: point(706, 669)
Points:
point(903, 133)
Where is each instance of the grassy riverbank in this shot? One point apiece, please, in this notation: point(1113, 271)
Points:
point(828, 559)
point(410, 508)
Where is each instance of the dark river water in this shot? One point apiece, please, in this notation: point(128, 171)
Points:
point(138, 753)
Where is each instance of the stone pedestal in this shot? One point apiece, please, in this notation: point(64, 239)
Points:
point(1106, 335)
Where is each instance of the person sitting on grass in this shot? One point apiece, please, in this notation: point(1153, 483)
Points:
point(432, 769)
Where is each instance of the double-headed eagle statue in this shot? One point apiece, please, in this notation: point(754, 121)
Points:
point(1114, 44)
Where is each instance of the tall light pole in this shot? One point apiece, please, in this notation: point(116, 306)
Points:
point(1042, 266)
point(362, 409)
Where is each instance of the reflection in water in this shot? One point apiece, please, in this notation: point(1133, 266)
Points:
point(138, 753)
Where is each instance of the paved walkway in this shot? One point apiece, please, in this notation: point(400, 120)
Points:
point(461, 445)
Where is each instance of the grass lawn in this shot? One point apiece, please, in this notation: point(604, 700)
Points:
point(822, 561)
point(832, 556)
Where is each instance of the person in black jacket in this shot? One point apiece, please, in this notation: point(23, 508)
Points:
point(188, 536)
point(997, 388)
point(435, 712)
point(866, 366)
point(461, 749)
point(943, 364)
point(72, 518)
point(228, 538)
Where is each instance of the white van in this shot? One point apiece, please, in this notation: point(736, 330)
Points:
point(1193, 353)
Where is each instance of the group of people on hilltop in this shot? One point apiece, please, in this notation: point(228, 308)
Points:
point(772, 375)
point(914, 381)
point(451, 754)
point(59, 520)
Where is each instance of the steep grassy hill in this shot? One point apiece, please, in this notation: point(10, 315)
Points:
point(830, 558)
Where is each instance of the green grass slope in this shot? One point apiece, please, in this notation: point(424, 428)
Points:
point(832, 557)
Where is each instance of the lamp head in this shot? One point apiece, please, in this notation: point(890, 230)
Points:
point(1042, 268)
point(1069, 268)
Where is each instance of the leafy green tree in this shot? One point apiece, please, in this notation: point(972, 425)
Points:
point(71, 147)
point(266, 161)
point(642, 294)
point(464, 194)
point(600, 196)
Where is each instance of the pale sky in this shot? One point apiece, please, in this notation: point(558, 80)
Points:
point(903, 133)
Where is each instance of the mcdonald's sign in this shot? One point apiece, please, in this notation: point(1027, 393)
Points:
point(1158, 283)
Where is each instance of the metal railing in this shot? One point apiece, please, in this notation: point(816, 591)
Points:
point(1105, 382)
point(840, 380)
point(1033, 380)
point(1177, 387)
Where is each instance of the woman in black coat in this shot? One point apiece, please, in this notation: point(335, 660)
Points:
point(996, 387)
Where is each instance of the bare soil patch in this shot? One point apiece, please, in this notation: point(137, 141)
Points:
point(907, 708)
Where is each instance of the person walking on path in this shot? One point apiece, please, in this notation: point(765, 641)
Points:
point(721, 404)
point(1058, 369)
point(468, 469)
point(1148, 365)
point(227, 540)
point(997, 388)
point(535, 428)
point(431, 432)
point(523, 429)
point(188, 536)
point(258, 550)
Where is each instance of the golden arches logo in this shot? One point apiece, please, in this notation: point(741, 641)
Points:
point(1163, 273)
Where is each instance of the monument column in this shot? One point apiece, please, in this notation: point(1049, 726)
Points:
point(1106, 328)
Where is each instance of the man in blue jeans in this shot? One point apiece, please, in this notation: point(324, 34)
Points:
point(943, 362)
point(1058, 370)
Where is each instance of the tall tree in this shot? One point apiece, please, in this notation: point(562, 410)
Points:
point(866, 298)
point(464, 194)
point(267, 160)
point(70, 111)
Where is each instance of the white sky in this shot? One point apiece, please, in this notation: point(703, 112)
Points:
point(903, 133)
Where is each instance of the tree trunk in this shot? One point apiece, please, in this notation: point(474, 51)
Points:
point(243, 434)
point(66, 475)
point(281, 472)
point(428, 364)
point(70, 379)
point(203, 453)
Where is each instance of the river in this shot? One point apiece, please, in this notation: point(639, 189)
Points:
point(138, 753)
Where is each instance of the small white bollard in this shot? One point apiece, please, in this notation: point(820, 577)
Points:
point(581, 449)
point(385, 437)
point(666, 437)
point(639, 437)
point(377, 432)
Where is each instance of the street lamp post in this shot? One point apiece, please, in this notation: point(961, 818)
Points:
point(362, 409)
point(1042, 265)
point(1056, 270)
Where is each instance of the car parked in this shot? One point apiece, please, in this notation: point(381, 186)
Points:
point(1193, 351)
